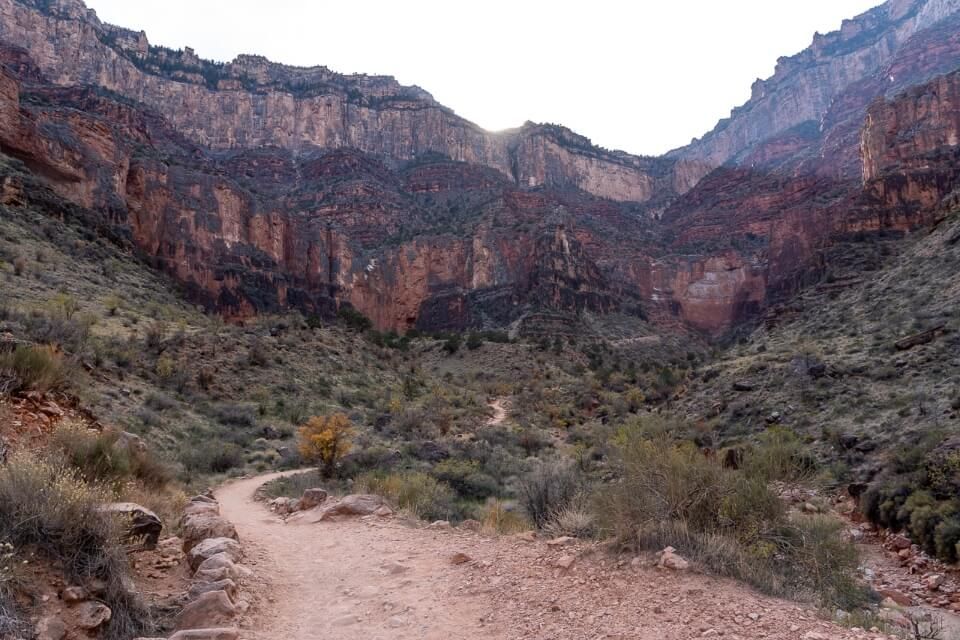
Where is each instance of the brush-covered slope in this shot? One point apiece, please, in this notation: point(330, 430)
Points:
point(865, 364)
point(216, 397)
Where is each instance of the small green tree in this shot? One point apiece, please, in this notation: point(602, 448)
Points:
point(452, 344)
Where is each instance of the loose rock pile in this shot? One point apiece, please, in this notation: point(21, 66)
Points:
point(920, 579)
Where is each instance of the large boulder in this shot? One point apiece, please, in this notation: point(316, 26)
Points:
point(226, 585)
point(131, 444)
point(212, 547)
point(670, 559)
point(201, 526)
point(91, 615)
point(142, 524)
point(211, 610)
point(312, 498)
point(214, 575)
point(200, 508)
point(352, 505)
point(282, 505)
point(218, 567)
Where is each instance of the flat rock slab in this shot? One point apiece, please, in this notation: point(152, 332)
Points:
point(352, 505)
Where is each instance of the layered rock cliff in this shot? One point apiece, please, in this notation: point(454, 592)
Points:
point(783, 197)
point(252, 102)
point(805, 85)
point(911, 148)
point(434, 244)
point(263, 187)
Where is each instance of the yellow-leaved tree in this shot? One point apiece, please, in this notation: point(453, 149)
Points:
point(326, 439)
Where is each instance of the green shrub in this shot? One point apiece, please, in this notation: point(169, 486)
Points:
point(501, 337)
point(819, 560)
point(100, 457)
point(452, 344)
point(211, 457)
point(942, 471)
point(12, 621)
point(155, 336)
point(498, 517)
point(946, 538)
point(576, 519)
point(881, 503)
point(236, 415)
point(920, 496)
point(727, 520)
point(59, 327)
point(95, 455)
point(549, 489)
point(389, 339)
point(292, 486)
point(48, 507)
point(779, 455)
point(354, 319)
point(466, 478)
point(665, 481)
point(418, 493)
point(34, 367)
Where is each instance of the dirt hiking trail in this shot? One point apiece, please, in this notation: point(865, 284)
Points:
point(499, 407)
point(388, 579)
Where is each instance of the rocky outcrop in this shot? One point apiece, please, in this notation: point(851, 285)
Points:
point(782, 199)
point(140, 524)
point(556, 157)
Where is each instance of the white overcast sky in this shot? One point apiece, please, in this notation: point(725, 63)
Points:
point(640, 75)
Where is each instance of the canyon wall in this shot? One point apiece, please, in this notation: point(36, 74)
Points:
point(262, 187)
point(252, 102)
point(911, 147)
point(804, 86)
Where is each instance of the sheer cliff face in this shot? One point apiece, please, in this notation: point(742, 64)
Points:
point(911, 149)
point(804, 86)
point(837, 142)
point(435, 244)
point(263, 187)
point(252, 102)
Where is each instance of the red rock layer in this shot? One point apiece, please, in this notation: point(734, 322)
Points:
point(419, 220)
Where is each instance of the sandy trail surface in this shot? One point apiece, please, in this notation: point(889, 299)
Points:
point(499, 406)
point(386, 578)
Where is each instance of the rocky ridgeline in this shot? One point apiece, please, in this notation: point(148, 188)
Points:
point(212, 550)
